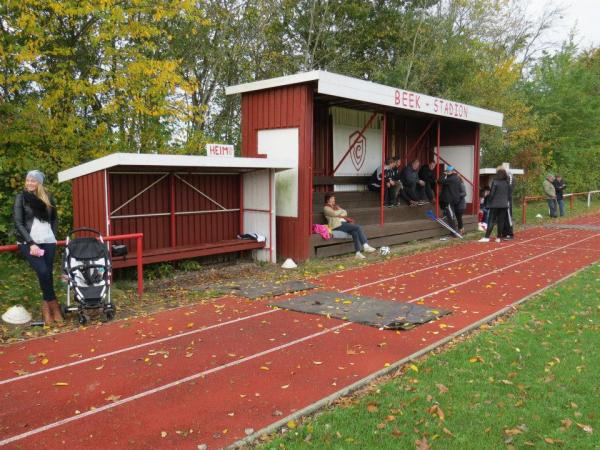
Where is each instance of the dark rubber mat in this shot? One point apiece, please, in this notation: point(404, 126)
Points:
point(253, 289)
point(375, 312)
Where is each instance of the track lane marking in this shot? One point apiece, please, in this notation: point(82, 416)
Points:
point(167, 386)
point(436, 266)
point(498, 270)
point(135, 347)
point(210, 327)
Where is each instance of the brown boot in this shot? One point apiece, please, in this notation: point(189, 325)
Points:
point(55, 311)
point(46, 314)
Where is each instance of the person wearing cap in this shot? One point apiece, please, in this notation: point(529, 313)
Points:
point(35, 221)
point(550, 193)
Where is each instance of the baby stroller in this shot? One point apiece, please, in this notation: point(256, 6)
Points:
point(87, 268)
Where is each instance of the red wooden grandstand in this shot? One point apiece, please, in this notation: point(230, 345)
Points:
point(337, 130)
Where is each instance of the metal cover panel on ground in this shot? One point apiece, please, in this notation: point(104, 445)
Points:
point(364, 310)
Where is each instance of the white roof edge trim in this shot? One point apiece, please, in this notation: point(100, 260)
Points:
point(286, 80)
point(492, 171)
point(342, 86)
point(162, 160)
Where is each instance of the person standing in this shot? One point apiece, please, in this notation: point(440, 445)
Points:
point(462, 206)
point(450, 197)
point(35, 220)
point(550, 192)
point(508, 232)
point(559, 187)
point(498, 204)
point(337, 219)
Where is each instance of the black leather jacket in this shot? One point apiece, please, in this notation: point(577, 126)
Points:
point(24, 214)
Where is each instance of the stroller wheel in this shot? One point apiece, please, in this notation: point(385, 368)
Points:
point(82, 319)
point(63, 309)
point(110, 313)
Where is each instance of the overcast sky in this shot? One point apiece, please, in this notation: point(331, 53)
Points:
point(584, 14)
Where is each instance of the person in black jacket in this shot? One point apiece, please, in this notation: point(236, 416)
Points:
point(398, 188)
point(35, 221)
point(508, 232)
point(413, 185)
point(560, 186)
point(428, 175)
point(498, 203)
point(388, 189)
point(450, 197)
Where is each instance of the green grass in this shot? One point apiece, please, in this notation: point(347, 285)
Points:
point(529, 381)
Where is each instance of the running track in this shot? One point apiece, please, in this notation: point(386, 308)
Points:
point(213, 374)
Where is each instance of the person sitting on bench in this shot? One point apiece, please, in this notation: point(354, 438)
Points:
point(413, 186)
point(337, 219)
point(427, 174)
point(398, 188)
point(388, 190)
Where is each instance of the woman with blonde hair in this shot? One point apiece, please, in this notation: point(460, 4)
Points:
point(35, 223)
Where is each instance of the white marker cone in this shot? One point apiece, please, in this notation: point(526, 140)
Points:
point(16, 315)
point(289, 264)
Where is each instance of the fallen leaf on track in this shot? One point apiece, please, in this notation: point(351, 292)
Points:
point(61, 383)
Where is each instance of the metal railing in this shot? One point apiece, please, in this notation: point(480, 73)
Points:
point(139, 253)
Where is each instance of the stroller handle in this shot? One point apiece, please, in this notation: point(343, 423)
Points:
point(90, 230)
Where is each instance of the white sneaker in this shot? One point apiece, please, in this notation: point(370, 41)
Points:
point(359, 255)
point(498, 240)
point(484, 239)
point(367, 248)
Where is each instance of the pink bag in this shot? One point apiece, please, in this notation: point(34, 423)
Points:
point(317, 228)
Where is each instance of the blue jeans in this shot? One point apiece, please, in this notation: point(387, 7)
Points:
point(43, 266)
point(552, 206)
point(561, 207)
point(357, 233)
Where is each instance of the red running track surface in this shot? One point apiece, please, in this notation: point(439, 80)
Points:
point(212, 373)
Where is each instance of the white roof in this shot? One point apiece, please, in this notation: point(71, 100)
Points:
point(366, 91)
point(492, 171)
point(175, 161)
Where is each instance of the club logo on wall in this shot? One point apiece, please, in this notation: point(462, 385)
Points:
point(358, 155)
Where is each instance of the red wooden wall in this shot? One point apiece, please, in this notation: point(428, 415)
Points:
point(89, 206)
point(190, 229)
point(285, 107)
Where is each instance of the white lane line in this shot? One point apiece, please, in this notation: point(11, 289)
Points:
point(498, 270)
point(504, 247)
point(136, 347)
point(166, 386)
point(166, 339)
point(573, 248)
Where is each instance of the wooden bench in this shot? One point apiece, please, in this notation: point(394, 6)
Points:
point(189, 251)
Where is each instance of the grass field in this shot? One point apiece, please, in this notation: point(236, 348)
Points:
point(528, 381)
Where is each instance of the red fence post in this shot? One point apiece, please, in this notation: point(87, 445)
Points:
point(140, 267)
